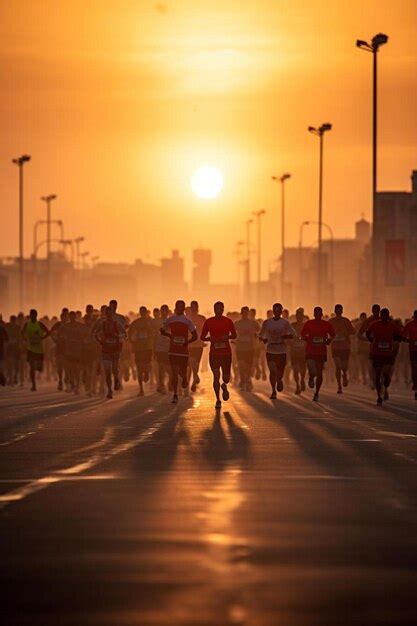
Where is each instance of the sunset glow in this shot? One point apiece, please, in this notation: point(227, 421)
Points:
point(207, 182)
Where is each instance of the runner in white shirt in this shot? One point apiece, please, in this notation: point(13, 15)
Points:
point(274, 331)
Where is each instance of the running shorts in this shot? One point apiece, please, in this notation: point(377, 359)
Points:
point(223, 362)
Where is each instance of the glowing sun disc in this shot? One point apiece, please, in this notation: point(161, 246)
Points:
point(207, 182)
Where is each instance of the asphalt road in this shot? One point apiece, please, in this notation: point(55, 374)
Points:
point(137, 512)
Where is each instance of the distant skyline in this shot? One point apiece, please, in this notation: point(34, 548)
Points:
point(118, 103)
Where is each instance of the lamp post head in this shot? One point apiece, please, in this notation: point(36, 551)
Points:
point(379, 40)
point(22, 159)
point(312, 129)
point(79, 239)
point(360, 43)
point(285, 176)
point(325, 127)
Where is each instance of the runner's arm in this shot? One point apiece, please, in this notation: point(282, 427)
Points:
point(204, 333)
point(261, 336)
point(193, 337)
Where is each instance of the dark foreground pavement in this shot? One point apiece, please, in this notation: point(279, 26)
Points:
point(138, 512)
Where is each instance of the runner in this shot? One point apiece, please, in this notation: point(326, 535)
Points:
point(362, 348)
point(34, 332)
point(13, 350)
point(196, 350)
point(318, 334)
point(110, 334)
point(343, 329)
point(218, 330)
point(410, 335)
point(141, 336)
point(177, 327)
point(121, 319)
point(247, 330)
point(73, 338)
point(161, 350)
point(91, 362)
point(383, 333)
point(58, 336)
point(273, 333)
point(298, 353)
point(376, 310)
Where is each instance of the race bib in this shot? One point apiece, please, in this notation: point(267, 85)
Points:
point(220, 345)
point(244, 338)
point(318, 340)
point(179, 341)
point(339, 338)
point(111, 340)
point(384, 345)
point(142, 335)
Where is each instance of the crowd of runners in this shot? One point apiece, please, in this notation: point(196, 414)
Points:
point(100, 350)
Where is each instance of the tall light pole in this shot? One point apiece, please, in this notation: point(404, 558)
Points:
point(84, 255)
point(77, 242)
point(248, 223)
point(48, 200)
point(238, 253)
point(20, 161)
point(320, 133)
point(282, 179)
point(377, 41)
point(258, 215)
point(331, 234)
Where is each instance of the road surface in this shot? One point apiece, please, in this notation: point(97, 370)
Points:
point(138, 512)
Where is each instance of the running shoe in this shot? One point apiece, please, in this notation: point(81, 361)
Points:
point(225, 392)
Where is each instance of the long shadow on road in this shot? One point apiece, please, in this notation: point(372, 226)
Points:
point(322, 452)
point(222, 445)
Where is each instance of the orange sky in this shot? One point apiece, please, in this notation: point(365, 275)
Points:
point(119, 101)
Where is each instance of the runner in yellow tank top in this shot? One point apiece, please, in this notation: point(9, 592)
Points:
point(33, 333)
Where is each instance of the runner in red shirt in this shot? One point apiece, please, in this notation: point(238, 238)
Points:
point(410, 335)
point(341, 345)
point(383, 334)
point(110, 334)
point(376, 311)
point(219, 330)
point(178, 328)
point(318, 334)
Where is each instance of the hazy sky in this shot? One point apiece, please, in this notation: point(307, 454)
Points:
point(119, 101)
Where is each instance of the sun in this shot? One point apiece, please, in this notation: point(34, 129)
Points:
point(207, 182)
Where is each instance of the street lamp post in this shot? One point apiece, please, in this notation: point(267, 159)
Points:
point(377, 41)
point(20, 161)
point(282, 179)
point(48, 200)
point(77, 242)
point(248, 223)
point(258, 215)
point(320, 133)
point(69, 242)
point(238, 253)
point(331, 233)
